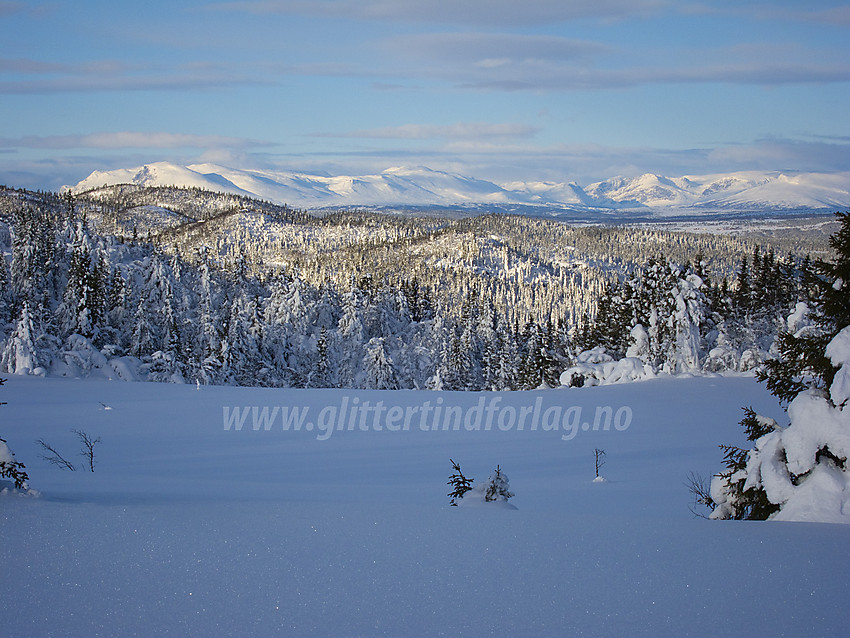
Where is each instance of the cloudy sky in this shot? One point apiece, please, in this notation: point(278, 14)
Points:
point(497, 89)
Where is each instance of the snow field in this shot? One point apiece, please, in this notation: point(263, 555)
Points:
point(186, 528)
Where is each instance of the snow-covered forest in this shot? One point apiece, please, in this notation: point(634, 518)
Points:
point(184, 285)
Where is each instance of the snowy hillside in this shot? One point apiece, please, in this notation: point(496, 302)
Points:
point(186, 527)
point(394, 186)
point(744, 191)
point(735, 191)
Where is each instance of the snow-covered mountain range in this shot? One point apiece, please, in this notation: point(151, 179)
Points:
point(421, 186)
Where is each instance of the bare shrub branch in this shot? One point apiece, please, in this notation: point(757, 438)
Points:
point(700, 488)
point(54, 457)
point(88, 447)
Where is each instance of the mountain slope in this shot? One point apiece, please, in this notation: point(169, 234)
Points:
point(421, 186)
point(749, 190)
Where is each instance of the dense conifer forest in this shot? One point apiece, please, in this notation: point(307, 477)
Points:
point(184, 285)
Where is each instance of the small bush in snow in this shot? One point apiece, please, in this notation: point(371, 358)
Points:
point(87, 443)
point(87, 451)
point(700, 489)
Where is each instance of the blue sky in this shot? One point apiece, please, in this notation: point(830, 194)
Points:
point(549, 89)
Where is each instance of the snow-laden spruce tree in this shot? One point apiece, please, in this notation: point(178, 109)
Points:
point(21, 354)
point(351, 336)
point(800, 472)
point(497, 487)
point(378, 370)
point(12, 469)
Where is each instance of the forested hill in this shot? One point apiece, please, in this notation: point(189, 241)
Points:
point(186, 285)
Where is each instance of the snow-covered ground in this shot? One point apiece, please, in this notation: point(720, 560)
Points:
point(189, 528)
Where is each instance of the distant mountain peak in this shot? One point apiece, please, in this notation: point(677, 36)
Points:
point(424, 186)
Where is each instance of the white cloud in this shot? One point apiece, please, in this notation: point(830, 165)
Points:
point(781, 153)
point(127, 139)
point(515, 62)
point(22, 65)
point(807, 12)
point(494, 46)
point(12, 8)
point(516, 159)
point(465, 12)
point(461, 130)
point(28, 76)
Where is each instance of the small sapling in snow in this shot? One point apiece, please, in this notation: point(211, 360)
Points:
point(88, 444)
point(498, 487)
point(460, 484)
point(599, 456)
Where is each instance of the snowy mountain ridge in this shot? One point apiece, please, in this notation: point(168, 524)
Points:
point(421, 186)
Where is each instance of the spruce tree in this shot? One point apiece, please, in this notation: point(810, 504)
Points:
point(497, 487)
point(759, 482)
point(322, 376)
point(460, 484)
point(743, 501)
point(378, 369)
point(742, 292)
point(11, 468)
point(803, 362)
point(21, 354)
